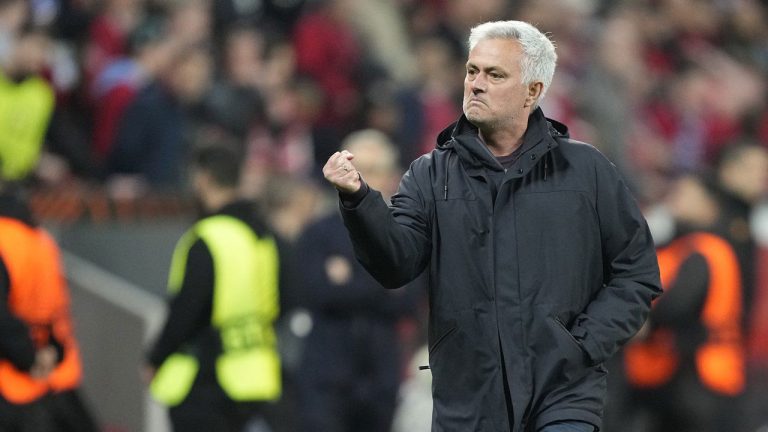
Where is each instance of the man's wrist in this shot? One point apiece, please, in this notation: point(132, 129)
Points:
point(352, 199)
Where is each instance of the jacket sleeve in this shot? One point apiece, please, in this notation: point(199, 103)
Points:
point(190, 309)
point(684, 299)
point(393, 243)
point(630, 270)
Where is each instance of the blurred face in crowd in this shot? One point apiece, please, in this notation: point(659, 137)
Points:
point(689, 201)
point(437, 65)
point(31, 54)
point(494, 96)
point(191, 75)
point(158, 56)
point(377, 163)
point(190, 21)
point(379, 172)
point(747, 175)
point(12, 15)
point(244, 52)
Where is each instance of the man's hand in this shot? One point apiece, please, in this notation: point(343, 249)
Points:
point(45, 361)
point(340, 172)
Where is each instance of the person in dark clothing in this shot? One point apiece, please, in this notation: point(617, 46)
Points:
point(673, 387)
point(153, 138)
point(742, 181)
point(40, 368)
point(224, 285)
point(350, 371)
point(540, 264)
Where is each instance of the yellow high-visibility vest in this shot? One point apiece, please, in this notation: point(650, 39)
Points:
point(245, 306)
point(25, 111)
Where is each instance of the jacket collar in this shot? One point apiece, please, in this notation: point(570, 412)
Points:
point(539, 138)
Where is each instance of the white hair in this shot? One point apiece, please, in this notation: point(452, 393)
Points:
point(539, 57)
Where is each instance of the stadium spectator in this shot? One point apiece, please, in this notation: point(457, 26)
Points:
point(159, 127)
point(328, 50)
point(115, 88)
point(108, 34)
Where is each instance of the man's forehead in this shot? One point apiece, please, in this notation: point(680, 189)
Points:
point(495, 49)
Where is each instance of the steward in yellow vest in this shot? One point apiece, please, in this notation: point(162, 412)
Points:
point(216, 358)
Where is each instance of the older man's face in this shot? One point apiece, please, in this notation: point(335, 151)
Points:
point(494, 95)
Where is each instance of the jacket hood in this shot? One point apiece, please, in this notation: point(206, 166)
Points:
point(463, 136)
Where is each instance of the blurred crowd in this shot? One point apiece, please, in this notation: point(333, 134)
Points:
point(109, 98)
point(658, 85)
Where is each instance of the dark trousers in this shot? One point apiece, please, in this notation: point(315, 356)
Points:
point(58, 412)
point(349, 375)
point(336, 409)
point(207, 408)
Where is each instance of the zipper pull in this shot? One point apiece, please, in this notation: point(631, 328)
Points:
point(424, 367)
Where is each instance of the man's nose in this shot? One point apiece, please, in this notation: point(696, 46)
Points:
point(478, 84)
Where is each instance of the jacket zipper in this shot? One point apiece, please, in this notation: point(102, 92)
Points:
point(447, 169)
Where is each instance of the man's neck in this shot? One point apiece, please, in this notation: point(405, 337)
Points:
point(504, 142)
point(215, 201)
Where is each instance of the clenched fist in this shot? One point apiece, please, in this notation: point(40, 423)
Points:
point(340, 171)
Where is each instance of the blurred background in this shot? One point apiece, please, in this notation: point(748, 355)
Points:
point(118, 93)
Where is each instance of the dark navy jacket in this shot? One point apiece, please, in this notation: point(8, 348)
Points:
point(531, 289)
point(355, 320)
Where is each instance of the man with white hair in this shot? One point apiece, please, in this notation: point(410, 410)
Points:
point(540, 264)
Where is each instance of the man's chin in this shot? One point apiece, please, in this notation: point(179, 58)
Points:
point(475, 118)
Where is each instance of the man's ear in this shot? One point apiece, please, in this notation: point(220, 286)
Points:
point(534, 92)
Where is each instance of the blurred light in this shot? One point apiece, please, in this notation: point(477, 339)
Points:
point(301, 323)
point(661, 223)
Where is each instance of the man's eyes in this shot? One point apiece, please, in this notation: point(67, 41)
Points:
point(493, 75)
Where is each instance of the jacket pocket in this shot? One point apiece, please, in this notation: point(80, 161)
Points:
point(439, 340)
point(562, 326)
point(575, 358)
